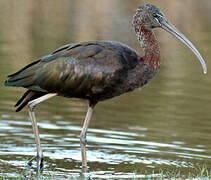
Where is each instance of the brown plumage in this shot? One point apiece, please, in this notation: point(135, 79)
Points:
point(94, 70)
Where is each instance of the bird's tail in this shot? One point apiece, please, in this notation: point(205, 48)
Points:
point(24, 77)
point(27, 97)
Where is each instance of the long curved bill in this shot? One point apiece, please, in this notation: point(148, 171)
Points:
point(174, 31)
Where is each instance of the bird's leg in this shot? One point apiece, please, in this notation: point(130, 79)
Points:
point(83, 134)
point(31, 107)
point(37, 139)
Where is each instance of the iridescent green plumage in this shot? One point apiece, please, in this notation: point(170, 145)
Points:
point(93, 70)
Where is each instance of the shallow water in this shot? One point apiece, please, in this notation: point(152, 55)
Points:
point(165, 125)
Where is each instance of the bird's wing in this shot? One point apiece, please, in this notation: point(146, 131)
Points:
point(75, 66)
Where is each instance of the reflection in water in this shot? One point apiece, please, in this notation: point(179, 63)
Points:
point(166, 125)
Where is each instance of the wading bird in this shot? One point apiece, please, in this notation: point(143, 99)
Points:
point(95, 71)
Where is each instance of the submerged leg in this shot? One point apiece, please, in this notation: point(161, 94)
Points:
point(31, 106)
point(83, 134)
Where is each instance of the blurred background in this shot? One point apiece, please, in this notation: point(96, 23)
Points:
point(165, 125)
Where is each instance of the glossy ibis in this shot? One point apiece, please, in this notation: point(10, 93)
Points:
point(95, 70)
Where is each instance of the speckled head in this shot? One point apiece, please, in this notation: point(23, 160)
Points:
point(148, 16)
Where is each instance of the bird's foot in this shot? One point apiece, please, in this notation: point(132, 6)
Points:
point(40, 162)
point(84, 169)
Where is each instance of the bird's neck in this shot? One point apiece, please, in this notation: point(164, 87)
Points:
point(150, 46)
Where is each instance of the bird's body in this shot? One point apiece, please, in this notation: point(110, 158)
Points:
point(95, 70)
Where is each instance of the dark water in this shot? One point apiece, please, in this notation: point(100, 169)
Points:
point(166, 125)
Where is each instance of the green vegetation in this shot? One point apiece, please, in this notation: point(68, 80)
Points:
point(202, 172)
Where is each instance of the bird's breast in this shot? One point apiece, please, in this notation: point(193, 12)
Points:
point(139, 76)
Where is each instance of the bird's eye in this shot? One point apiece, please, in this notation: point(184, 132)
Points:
point(157, 18)
point(155, 15)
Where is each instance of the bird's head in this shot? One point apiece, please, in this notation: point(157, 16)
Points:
point(149, 16)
